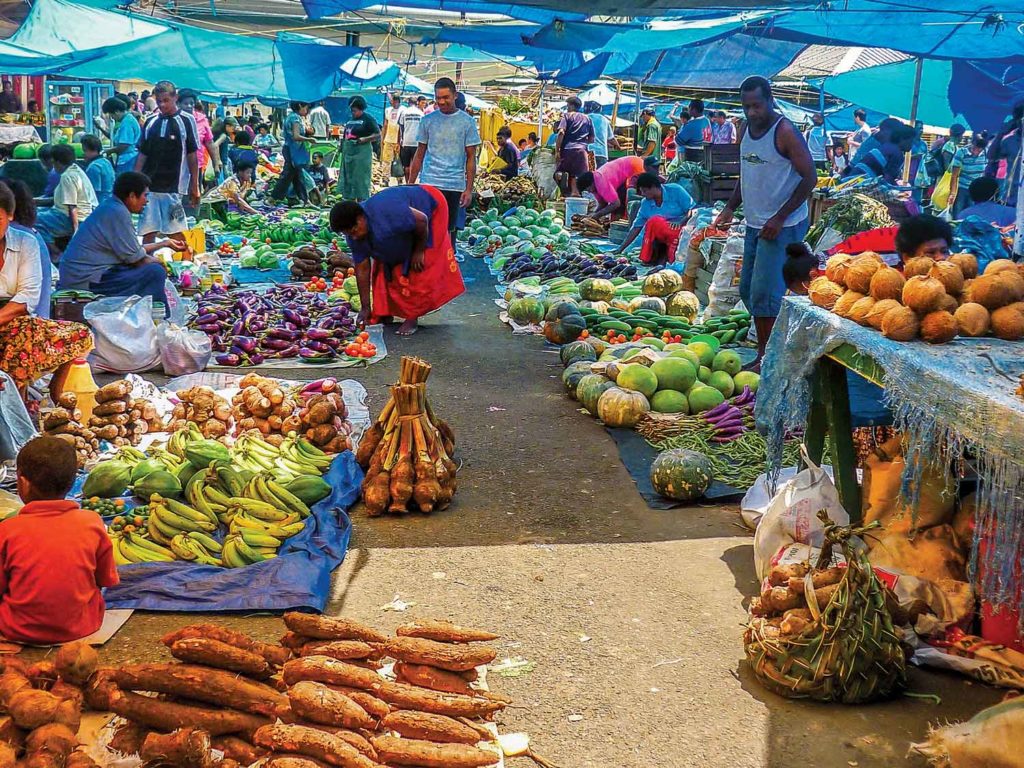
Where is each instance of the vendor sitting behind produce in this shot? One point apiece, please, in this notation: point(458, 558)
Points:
point(661, 216)
point(54, 556)
point(404, 231)
point(318, 171)
point(983, 194)
point(229, 195)
point(105, 255)
point(610, 182)
point(73, 200)
point(508, 153)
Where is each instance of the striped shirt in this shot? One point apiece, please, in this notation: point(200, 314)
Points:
point(167, 141)
point(971, 166)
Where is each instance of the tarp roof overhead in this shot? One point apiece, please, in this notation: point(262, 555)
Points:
point(57, 27)
point(941, 29)
point(319, 9)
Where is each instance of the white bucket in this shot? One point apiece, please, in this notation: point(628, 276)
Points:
point(575, 206)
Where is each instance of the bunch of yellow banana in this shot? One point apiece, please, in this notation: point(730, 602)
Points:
point(196, 547)
point(257, 530)
point(130, 547)
point(169, 517)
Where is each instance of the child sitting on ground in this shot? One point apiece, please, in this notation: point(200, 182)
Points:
point(54, 555)
point(319, 171)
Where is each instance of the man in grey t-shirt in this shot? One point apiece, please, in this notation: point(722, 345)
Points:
point(446, 155)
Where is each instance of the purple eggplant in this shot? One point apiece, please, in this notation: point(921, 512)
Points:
point(256, 358)
point(292, 351)
point(277, 344)
point(245, 343)
point(283, 333)
point(721, 408)
point(317, 334)
point(229, 359)
point(317, 346)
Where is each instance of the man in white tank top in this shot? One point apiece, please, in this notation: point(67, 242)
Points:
point(776, 178)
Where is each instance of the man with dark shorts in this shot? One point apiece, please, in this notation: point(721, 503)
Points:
point(575, 134)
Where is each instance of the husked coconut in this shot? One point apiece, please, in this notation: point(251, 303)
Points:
point(823, 292)
point(991, 291)
point(887, 283)
point(1000, 265)
point(919, 265)
point(900, 324)
point(845, 302)
point(967, 262)
point(1008, 323)
point(950, 275)
point(860, 272)
point(972, 319)
point(923, 294)
point(835, 267)
point(859, 311)
point(949, 303)
point(938, 327)
point(877, 313)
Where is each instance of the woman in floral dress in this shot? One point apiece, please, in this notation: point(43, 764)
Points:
point(30, 346)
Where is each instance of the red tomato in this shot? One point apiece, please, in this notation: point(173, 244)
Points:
point(585, 334)
point(363, 336)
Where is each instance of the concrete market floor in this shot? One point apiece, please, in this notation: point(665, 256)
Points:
point(630, 617)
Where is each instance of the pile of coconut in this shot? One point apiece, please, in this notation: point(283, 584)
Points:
point(932, 300)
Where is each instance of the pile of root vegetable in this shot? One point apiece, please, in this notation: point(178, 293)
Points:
point(407, 452)
point(317, 699)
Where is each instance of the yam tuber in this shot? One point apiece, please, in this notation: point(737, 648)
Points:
point(420, 725)
point(75, 662)
point(239, 750)
point(183, 748)
point(432, 678)
point(274, 654)
point(98, 689)
point(213, 686)
point(128, 738)
point(444, 632)
point(375, 706)
point(779, 599)
point(214, 653)
point(795, 621)
point(818, 579)
point(427, 754)
point(311, 742)
point(116, 390)
point(315, 701)
point(291, 761)
point(168, 715)
point(456, 658)
point(781, 574)
point(331, 628)
point(293, 641)
point(337, 649)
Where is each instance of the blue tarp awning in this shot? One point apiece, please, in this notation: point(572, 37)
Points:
point(320, 9)
point(939, 29)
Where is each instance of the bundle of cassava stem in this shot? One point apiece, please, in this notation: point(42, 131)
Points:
point(406, 455)
point(826, 632)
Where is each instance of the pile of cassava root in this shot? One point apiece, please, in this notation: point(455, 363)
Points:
point(315, 700)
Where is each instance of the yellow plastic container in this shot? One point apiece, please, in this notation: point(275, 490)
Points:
point(196, 241)
point(80, 382)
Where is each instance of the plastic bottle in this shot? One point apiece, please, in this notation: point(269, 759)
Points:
point(80, 382)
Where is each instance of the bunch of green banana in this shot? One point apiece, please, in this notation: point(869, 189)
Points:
point(169, 517)
point(209, 490)
point(130, 455)
point(238, 552)
point(256, 455)
point(178, 440)
point(132, 547)
point(196, 547)
point(172, 462)
point(264, 489)
point(301, 452)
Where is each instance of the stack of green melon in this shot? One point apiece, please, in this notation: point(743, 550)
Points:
point(537, 228)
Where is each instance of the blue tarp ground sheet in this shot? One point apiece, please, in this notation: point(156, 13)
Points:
point(299, 577)
point(244, 276)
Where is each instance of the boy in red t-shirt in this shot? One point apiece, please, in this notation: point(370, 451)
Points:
point(54, 555)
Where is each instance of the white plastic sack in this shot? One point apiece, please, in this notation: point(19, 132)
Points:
point(792, 516)
point(16, 427)
point(181, 350)
point(724, 291)
point(125, 337)
point(758, 497)
point(175, 306)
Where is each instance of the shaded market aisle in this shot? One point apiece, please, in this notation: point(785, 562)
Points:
point(630, 616)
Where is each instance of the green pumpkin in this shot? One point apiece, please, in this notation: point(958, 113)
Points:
point(565, 329)
point(560, 309)
point(681, 474)
point(597, 289)
point(577, 352)
point(682, 304)
point(652, 303)
point(664, 282)
point(599, 345)
point(572, 375)
point(600, 307)
point(589, 390)
point(619, 407)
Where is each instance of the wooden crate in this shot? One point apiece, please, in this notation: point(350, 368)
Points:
point(722, 159)
point(720, 188)
point(693, 155)
point(818, 206)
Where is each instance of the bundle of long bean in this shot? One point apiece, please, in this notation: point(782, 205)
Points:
point(407, 451)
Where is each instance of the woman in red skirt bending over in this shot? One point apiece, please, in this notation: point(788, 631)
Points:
point(405, 263)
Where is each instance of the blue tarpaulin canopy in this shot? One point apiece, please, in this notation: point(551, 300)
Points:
point(319, 9)
point(506, 42)
point(938, 29)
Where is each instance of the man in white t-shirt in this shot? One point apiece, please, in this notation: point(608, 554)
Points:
point(73, 200)
point(408, 128)
point(859, 136)
point(320, 119)
point(392, 118)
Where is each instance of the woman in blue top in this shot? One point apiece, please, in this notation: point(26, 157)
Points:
point(124, 134)
point(297, 137)
point(405, 263)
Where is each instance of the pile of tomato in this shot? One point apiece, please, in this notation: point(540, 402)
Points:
point(361, 346)
point(614, 337)
point(317, 285)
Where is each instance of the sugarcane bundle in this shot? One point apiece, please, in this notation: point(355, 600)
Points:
point(407, 451)
point(827, 633)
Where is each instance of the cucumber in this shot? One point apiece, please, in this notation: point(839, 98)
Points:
point(728, 336)
point(742, 334)
point(587, 311)
point(615, 325)
point(738, 313)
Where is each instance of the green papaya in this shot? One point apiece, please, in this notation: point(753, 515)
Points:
point(161, 482)
point(309, 489)
point(184, 472)
point(146, 467)
point(109, 479)
point(201, 452)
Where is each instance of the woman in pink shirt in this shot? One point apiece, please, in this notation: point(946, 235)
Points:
point(188, 102)
point(610, 182)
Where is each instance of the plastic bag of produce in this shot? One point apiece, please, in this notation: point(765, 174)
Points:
point(724, 291)
point(16, 426)
point(181, 350)
point(124, 334)
point(792, 515)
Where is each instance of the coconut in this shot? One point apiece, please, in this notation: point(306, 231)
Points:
point(923, 294)
point(860, 272)
point(878, 311)
point(823, 292)
point(872, 255)
point(921, 265)
point(949, 303)
point(1000, 265)
point(1008, 324)
point(845, 302)
point(887, 283)
point(938, 327)
point(972, 319)
point(950, 275)
point(1015, 280)
point(967, 262)
point(859, 310)
point(992, 291)
point(835, 267)
point(900, 324)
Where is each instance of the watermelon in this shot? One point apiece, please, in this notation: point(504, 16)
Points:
point(526, 311)
point(681, 474)
point(24, 152)
point(589, 390)
point(577, 352)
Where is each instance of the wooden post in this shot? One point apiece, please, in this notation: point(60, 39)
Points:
point(615, 104)
point(913, 114)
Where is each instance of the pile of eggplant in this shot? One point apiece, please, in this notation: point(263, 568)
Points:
point(248, 327)
point(577, 266)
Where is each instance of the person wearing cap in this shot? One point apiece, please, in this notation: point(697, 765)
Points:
point(610, 182)
point(650, 134)
point(357, 140)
